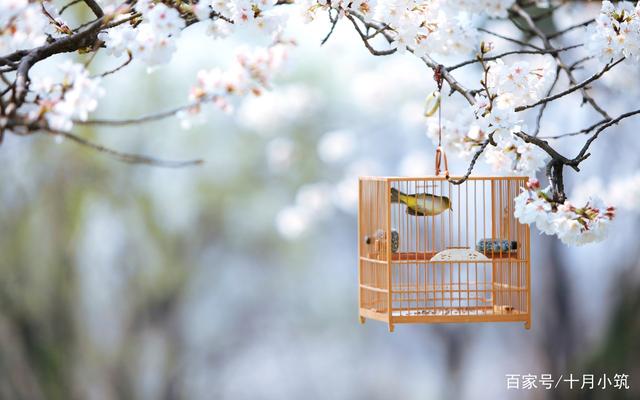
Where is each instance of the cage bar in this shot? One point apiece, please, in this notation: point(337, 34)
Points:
point(433, 252)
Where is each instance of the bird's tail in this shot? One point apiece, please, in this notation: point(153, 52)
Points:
point(395, 195)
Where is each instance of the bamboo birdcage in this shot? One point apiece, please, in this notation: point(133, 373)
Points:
point(443, 268)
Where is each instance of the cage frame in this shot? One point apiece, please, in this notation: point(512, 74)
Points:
point(388, 317)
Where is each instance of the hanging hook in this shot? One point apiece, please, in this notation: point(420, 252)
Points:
point(438, 76)
point(441, 156)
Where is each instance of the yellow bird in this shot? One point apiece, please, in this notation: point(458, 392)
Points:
point(421, 204)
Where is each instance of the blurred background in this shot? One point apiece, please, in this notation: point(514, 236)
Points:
point(238, 279)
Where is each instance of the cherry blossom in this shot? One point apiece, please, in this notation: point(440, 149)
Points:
point(573, 225)
point(153, 40)
point(251, 72)
point(616, 32)
point(22, 25)
point(73, 97)
point(518, 83)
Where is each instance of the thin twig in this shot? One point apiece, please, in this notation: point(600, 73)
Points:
point(118, 68)
point(63, 9)
point(572, 88)
point(472, 164)
point(334, 22)
point(570, 28)
point(578, 133)
point(363, 36)
point(547, 45)
point(431, 63)
point(583, 152)
point(138, 120)
point(509, 39)
point(544, 106)
point(129, 158)
point(508, 53)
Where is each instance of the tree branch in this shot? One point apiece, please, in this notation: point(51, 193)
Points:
point(138, 120)
point(95, 7)
point(365, 40)
point(65, 44)
point(453, 83)
point(547, 45)
point(509, 39)
point(570, 28)
point(116, 69)
point(572, 88)
point(508, 53)
point(334, 22)
point(544, 106)
point(472, 164)
point(582, 155)
point(129, 158)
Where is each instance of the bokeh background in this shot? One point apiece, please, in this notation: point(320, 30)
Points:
point(238, 279)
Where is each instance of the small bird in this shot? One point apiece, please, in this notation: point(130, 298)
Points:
point(421, 204)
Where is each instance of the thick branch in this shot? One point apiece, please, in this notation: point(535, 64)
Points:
point(544, 145)
point(65, 44)
point(95, 7)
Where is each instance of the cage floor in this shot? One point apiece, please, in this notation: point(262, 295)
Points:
point(445, 312)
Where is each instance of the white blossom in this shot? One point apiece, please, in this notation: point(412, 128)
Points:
point(153, 40)
point(251, 72)
point(615, 33)
point(59, 103)
point(518, 83)
point(573, 225)
point(22, 25)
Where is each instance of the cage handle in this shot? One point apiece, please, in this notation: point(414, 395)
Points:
point(440, 156)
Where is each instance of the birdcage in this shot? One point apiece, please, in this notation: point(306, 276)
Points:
point(431, 251)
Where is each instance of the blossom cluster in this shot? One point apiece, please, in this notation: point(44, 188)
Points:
point(235, 14)
point(616, 32)
point(573, 225)
point(250, 73)
point(22, 25)
point(517, 83)
point(508, 86)
point(153, 40)
point(463, 136)
point(59, 103)
point(343, 7)
point(437, 26)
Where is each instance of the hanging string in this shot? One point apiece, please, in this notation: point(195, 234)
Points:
point(440, 154)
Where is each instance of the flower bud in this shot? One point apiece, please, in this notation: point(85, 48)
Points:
point(485, 47)
point(533, 184)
